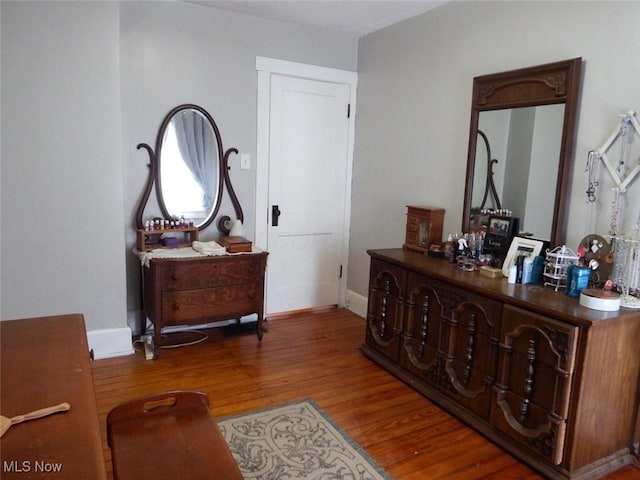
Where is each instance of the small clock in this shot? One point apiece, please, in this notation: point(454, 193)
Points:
point(424, 227)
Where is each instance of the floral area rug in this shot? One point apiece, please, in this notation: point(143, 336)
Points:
point(296, 441)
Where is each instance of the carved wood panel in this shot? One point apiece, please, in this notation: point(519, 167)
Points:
point(385, 308)
point(537, 357)
point(450, 340)
point(472, 353)
point(422, 334)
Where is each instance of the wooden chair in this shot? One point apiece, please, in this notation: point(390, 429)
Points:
point(168, 435)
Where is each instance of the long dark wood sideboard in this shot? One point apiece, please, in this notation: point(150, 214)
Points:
point(552, 382)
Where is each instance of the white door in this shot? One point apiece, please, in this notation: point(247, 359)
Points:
point(308, 162)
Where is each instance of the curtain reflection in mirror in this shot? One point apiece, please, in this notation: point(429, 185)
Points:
point(183, 194)
point(197, 147)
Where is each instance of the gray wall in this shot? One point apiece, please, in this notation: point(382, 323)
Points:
point(82, 84)
point(61, 191)
point(414, 99)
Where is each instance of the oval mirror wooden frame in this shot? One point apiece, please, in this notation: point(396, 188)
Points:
point(223, 179)
point(160, 142)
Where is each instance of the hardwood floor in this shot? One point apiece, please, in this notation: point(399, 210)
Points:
point(316, 355)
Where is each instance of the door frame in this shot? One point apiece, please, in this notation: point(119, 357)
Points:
point(266, 67)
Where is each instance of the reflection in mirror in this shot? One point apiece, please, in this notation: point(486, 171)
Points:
point(528, 118)
point(485, 195)
point(528, 140)
point(189, 167)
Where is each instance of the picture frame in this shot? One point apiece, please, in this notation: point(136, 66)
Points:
point(500, 231)
point(521, 246)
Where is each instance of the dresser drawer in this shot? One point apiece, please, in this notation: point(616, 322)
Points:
point(555, 341)
point(209, 304)
point(209, 273)
point(533, 393)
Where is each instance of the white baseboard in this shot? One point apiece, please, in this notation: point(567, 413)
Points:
point(111, 342)
point(357, 303)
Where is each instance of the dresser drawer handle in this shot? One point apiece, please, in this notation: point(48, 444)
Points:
point(251, 296)
point(174, 277)
point(176, 306)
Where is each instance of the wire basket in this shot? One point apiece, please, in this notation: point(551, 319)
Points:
point(556, 264)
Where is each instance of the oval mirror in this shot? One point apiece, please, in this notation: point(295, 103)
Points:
point(528, 118)
point(189, 174)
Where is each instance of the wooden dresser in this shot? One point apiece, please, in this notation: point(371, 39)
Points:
point(550, 381)
point(192, 291)
point(44, 362)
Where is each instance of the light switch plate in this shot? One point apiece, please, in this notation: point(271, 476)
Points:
point(245, 161)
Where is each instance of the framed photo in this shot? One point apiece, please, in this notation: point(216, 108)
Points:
point(520, 246)
point(500, 231)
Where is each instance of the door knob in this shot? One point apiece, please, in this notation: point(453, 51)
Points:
point(275, 213)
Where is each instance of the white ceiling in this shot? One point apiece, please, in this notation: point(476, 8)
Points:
point(352, 17)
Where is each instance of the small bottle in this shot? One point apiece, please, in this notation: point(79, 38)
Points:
point(513, 271)
point(448, 249)
point(527, 271)
point(577, 280)
point(538, 269)
point(519, 268)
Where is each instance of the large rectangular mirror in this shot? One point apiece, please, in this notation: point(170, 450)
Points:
point(520, 146)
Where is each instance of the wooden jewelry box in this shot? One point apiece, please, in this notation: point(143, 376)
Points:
point(424, 227)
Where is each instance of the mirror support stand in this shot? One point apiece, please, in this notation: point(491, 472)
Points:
point(224, 223)
point(153, 166)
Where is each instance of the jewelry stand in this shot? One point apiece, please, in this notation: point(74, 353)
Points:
point(556, 265)
point(625, 248)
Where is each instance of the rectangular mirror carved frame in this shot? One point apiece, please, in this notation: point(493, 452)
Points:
point(549, 84)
